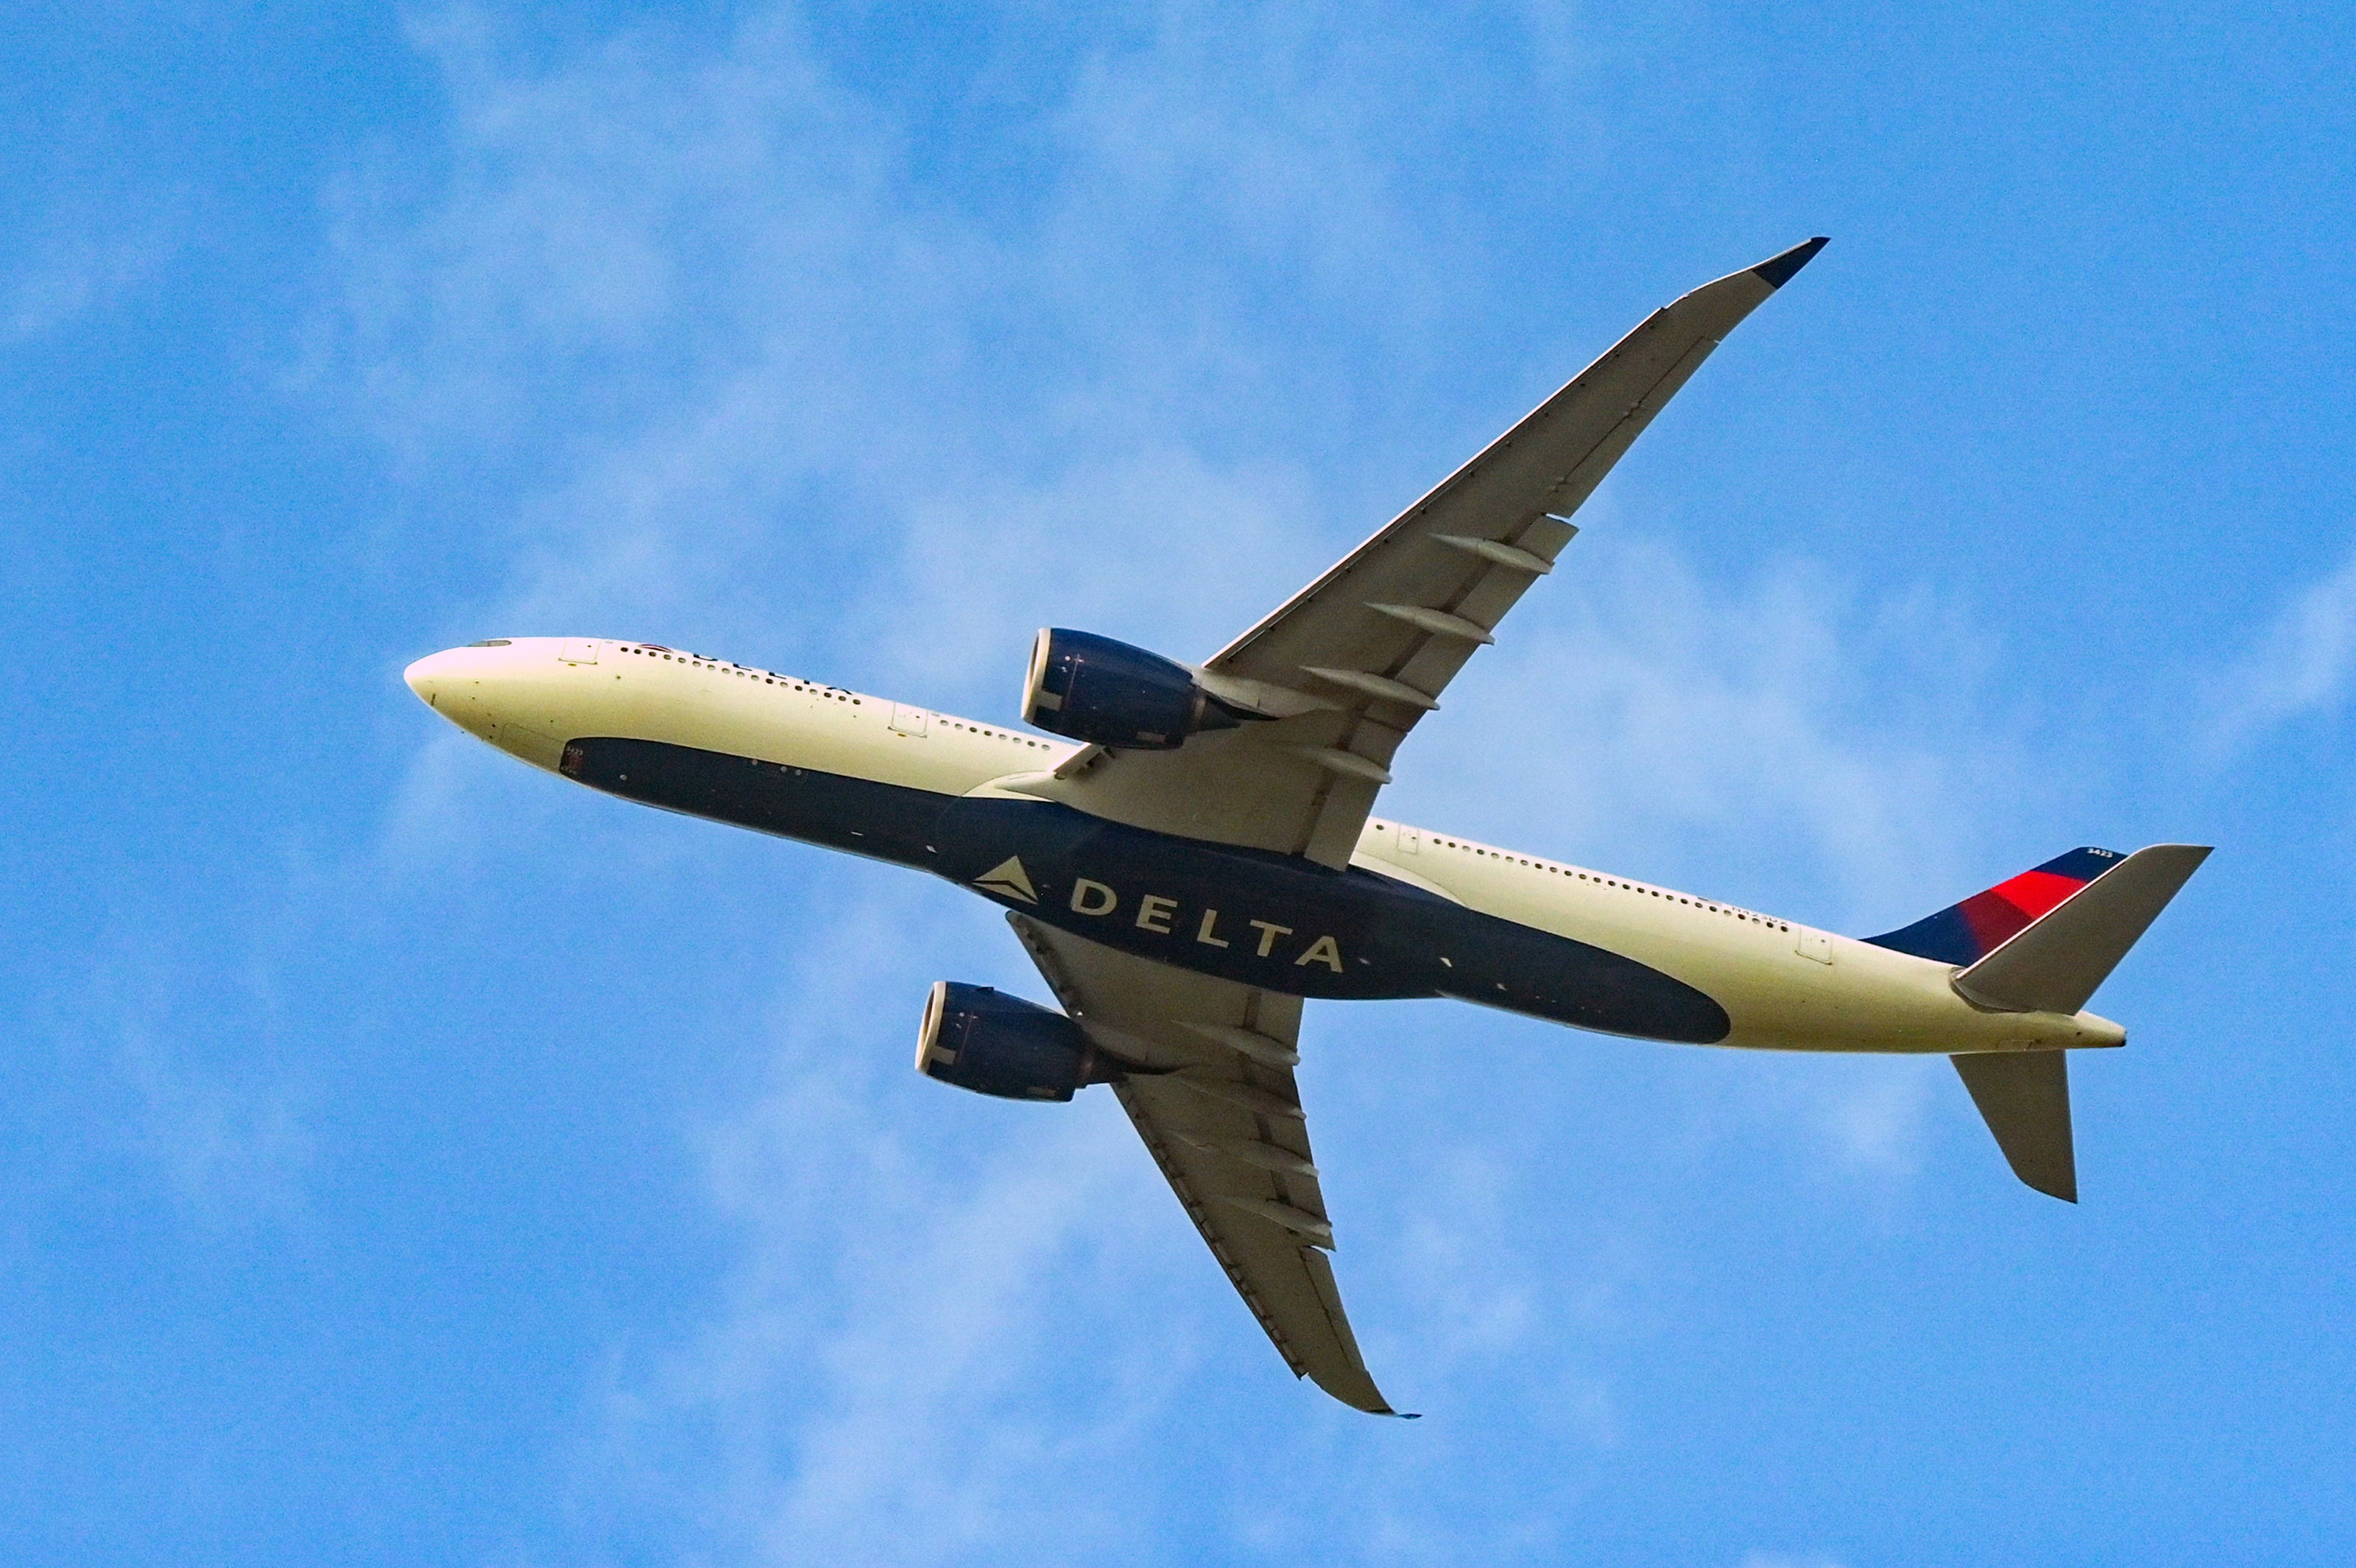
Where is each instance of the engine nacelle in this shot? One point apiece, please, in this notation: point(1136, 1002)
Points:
point(992, 1043)
point(1093, 688)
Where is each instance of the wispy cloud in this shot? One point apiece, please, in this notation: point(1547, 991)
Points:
point(188, 1068)
point(706, 307)
point(231, 1141)
point(81, 256)
point(2302, 663)
point(867, 1388)
point(1875, 1125)
point(692, 327)
point(1773, 735)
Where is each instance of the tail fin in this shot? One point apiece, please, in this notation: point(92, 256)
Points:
point(1963, 934)
point(2054, 964)
point(2043, 943)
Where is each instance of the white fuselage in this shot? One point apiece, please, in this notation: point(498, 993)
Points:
point(1783, 985)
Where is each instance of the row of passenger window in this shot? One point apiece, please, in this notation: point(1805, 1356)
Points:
point(656, 651)
point(994, 734)
point(698, 661)
point(1601, 881)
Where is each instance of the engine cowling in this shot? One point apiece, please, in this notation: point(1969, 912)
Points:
point(1093, 688)
point(992, 1043)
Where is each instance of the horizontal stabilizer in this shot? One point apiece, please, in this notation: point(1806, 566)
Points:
point(2057, 961)
point(2024, 1097)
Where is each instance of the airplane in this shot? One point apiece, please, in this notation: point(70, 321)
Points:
point(1188, 853)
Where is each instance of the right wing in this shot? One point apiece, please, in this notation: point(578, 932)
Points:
point(1345, 669)
point(1222, 1116)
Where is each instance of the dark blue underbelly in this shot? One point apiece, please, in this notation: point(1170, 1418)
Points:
point(886, 821)
point(1272, 921)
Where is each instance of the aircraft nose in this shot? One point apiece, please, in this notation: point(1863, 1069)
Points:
point(496, 690)
point(437, 678)
point(426, 676)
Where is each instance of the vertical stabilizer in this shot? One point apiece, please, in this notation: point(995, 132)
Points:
point(1966, 932)
point(2024, 1097)
point(2054, 964)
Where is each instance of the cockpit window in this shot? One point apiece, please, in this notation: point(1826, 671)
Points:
point(492, 643)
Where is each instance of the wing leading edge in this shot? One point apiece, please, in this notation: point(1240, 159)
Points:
point(1222, 1117)
point(1352, 662)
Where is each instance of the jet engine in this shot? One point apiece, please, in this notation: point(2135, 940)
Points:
point(1093, 688)
point(981, 1039)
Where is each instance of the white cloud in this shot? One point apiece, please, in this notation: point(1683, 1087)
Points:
point(743, 380)
point(230, 1142)
point(1743, 738)
point(2302, 663)
point(81, 256)
point(883, 1411)
point(1117, 543)
point(1876, 1126)
point(188, 1068)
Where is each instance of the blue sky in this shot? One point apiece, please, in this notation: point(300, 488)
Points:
point(411, 1158)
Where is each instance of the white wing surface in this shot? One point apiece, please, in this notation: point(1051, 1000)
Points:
point(1222, 1118)
point(1346, 667)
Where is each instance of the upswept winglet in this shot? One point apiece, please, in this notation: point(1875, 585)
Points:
point(1777, 271)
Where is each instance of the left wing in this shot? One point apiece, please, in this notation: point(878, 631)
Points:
point(1344, 669)
point(1222, 1117)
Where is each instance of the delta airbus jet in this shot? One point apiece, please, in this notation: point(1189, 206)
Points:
point(1193, 855)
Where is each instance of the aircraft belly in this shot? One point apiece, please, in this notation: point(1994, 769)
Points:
point(1287, 924)
point(890, 822)
point(1276, 922)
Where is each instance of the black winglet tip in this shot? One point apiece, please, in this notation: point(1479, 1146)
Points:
point(1776, 271)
